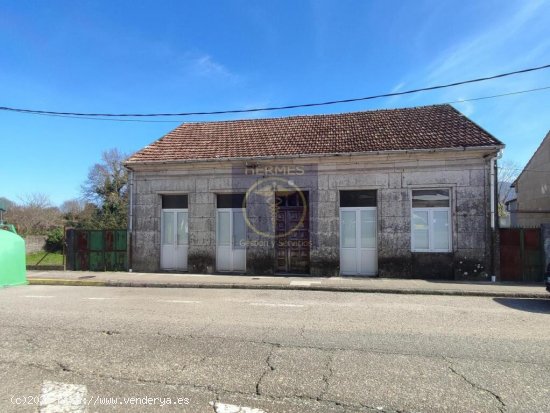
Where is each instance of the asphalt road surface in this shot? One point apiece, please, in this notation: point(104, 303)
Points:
point(96, 349)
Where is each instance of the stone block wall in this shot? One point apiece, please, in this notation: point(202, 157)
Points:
point(466, 177)
point(35, 243)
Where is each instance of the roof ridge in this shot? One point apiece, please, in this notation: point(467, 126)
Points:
point(319, 114)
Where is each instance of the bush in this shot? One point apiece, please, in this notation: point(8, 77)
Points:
point(54, 240)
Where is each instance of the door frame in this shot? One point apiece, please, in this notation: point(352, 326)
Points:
point(306, 217)
point(231, 240)
point(358, 247)
point(174, 210)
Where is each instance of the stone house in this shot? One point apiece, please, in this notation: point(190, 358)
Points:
point(395, 193)
point(532, 204)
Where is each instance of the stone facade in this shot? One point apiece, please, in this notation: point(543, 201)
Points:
point(466, 173)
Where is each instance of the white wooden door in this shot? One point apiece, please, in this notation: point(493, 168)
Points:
point(358, 243)
point(174, 239)
point(230, 240)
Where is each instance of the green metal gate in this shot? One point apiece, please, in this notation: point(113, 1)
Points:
point(96, 250)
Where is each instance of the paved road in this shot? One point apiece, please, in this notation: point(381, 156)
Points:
point(274, 351)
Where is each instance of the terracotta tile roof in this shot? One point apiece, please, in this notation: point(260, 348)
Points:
point(427, 127)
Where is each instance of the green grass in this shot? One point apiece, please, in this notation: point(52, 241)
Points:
point(53, 258)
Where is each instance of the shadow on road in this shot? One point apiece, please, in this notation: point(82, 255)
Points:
point(500, 283)
point(532, 305)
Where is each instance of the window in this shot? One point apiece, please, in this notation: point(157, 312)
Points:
point(349, 226)
point(224, 228)
point(239, 230)
point(168, 228)
point(182, 229)
point(431, 220)
point(230, 201)
point(174, 202)
point(358, 198)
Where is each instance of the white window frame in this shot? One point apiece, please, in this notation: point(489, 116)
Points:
point(430, 211)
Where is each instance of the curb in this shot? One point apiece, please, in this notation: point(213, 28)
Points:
point(58, 281)
point(45, 268)
point(328, 288)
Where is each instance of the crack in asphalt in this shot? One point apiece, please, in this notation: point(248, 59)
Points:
point(476, 386)
point(110, 332)
point(218, 393)
point(327, 377)
point(63, 366)
point(194, 336)
point(269, 368)
point(302, 330)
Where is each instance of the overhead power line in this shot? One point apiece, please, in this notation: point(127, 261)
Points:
point(272, 108)
point(523, 170)
point(519, 92)
point(113, 119)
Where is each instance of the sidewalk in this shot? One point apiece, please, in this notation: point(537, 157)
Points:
point(339, 284)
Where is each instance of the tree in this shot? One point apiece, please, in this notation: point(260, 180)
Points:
point(34, 214)
point(78, 213)
point(106, 187)
point(72, 207)
point(508, 172)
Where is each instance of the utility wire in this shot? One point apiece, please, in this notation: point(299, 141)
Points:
point(501, 95)
point(180, 121)
point(303, 105)
point(523, 169)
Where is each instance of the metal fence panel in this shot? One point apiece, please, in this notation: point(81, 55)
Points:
point(521, 255)
point(96, 250)
point(96, 240)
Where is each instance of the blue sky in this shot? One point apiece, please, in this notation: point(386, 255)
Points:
point(175, 56)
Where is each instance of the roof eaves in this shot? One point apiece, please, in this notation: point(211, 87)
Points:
point(495, 148)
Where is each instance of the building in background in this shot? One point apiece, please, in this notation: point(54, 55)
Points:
point(532, 205)
point(510, 220)
point(396, 193)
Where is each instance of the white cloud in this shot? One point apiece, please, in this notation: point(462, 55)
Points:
point(397, 87)
point(467, 108)
point(483, 50)
point(206, 65)
point(514, 39)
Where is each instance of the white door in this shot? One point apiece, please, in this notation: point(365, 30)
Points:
point(358, 246)
point(230, 240)
point(174, 239)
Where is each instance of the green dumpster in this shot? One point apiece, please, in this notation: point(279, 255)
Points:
point(12, 259)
